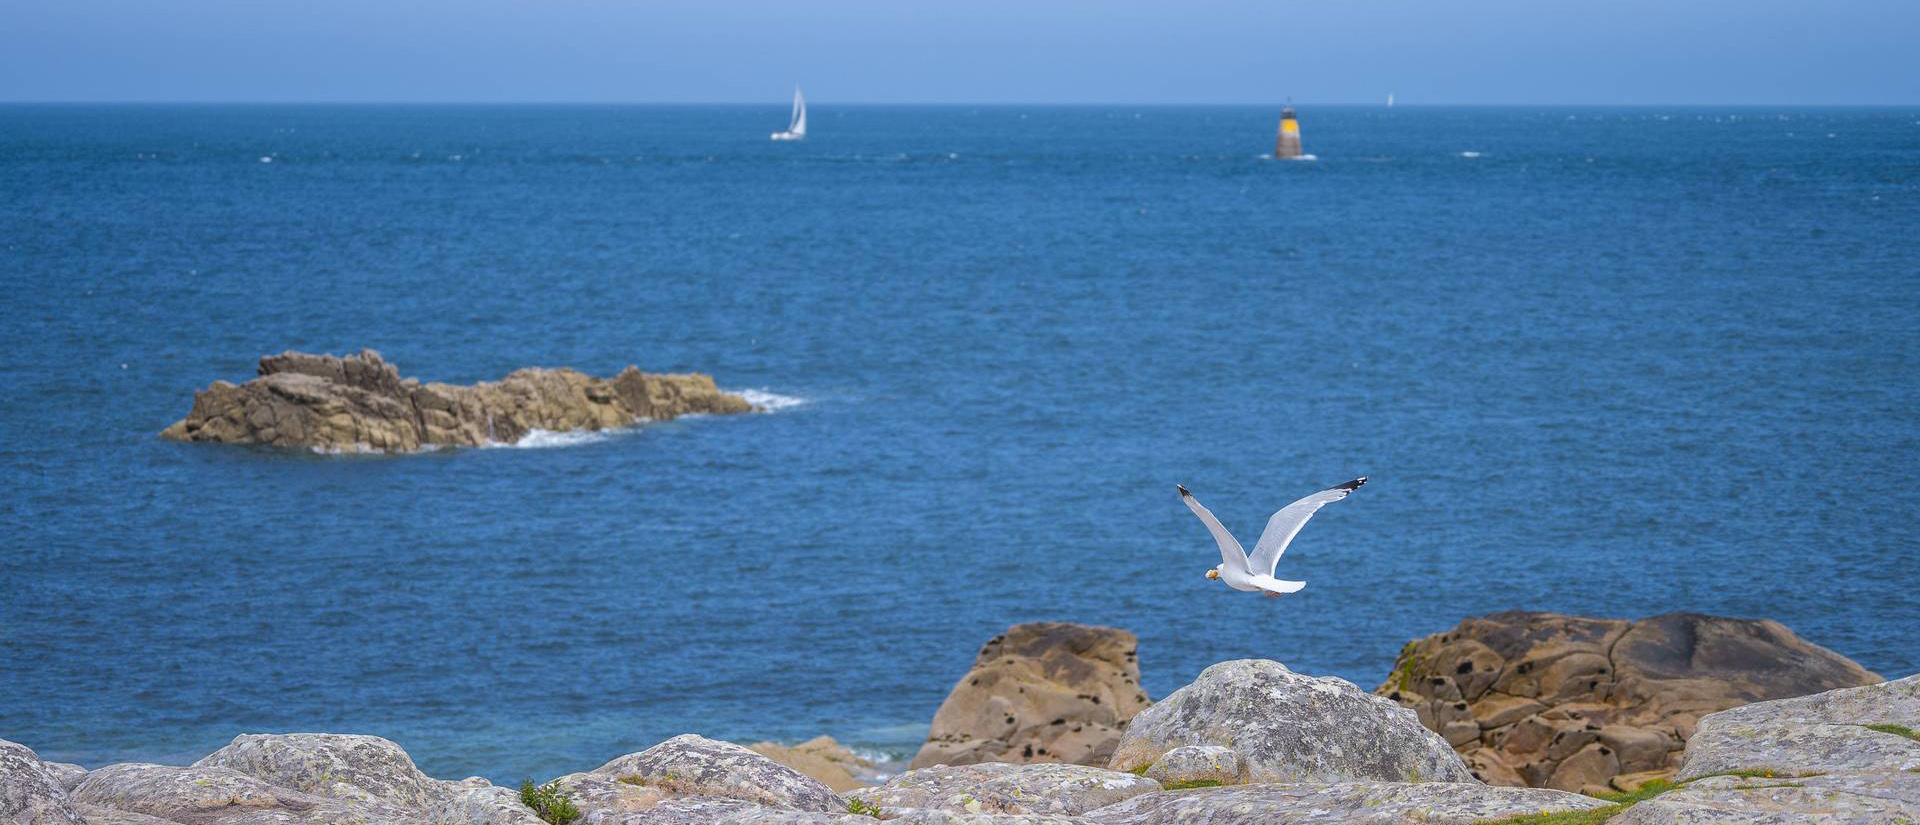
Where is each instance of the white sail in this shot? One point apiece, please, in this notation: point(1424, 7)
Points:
point(796, 128)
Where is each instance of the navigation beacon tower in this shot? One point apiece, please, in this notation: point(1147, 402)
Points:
point(1287, 143)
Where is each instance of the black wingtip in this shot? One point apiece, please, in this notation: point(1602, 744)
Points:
point(1183, 491)
point(1353, 485)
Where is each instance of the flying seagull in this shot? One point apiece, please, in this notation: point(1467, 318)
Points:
point(1255, 574)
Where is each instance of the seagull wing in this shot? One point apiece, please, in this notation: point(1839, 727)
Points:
point(1230, 551)
point(1287, 523)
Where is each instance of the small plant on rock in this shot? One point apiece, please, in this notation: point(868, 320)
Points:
point(554, 806)
point(856, 806)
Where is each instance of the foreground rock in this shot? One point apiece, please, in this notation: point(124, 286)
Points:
point(1348, 803)
point(359, 403)
point(999, 788)
point(1286, 727)
point(1825, 733)
point(30, 793)
point(689, 765)
point(1042, 692)
point(821, 758)
point(1573, 703)
point(1836, 799)
point(1811, 759)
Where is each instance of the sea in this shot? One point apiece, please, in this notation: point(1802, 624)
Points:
point(1604, 361)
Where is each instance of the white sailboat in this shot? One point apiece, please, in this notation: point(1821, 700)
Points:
point(797, 129)
point(1389, 100)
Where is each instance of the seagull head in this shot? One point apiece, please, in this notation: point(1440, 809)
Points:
point(1213, 573)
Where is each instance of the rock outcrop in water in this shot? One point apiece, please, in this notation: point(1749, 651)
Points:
point(359, 403)
point(1576, 704)
point(1040, 692)
point(821, 758)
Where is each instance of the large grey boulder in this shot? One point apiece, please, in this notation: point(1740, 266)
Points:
point(1040, 692)
point(1347, 803)
point(339, 766)
point(1822, 733)
point(690, 765)
point(1837, 799)
point(222, 796)
point(30, 794)
point(713, 810)
point(999, 788)
point(1291, 728)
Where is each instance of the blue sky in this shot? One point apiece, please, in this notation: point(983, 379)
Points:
point(985, 51)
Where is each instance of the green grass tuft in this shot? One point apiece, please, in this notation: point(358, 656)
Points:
point(1140, 771)
point(1190, 783)
point(553, 805)
point(855, 806)
point(1896, 730)
point(1621, 802)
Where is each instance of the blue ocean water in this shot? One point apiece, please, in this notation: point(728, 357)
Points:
point(1606, 361)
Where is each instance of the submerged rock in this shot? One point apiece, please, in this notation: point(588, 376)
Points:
point(821, 758)
point(1041, 692)
point(1291, 728)
point(359, 403)
point(30, 794)
point(1348, 803)
point(1571, 703)
point(1001, 788)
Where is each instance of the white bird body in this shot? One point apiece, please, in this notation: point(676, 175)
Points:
point(1254, 573)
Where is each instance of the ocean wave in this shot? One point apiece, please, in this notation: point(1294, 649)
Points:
point(766, 400)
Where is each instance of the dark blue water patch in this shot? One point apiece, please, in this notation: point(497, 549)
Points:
point(1615, 362)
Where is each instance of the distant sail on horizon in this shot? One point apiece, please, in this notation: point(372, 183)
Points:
point(797, 127)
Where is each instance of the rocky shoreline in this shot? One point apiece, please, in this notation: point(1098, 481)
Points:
point(359, 403)
point(1248, 741)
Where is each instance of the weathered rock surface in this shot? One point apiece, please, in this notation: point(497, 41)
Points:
point(1567, 702)
point(1042, 692)
point(66, 773)
point(219, 796)
point(1835, 799)
point(359, 403)
point(1357, 803)
point(821, 758)
point(1191, 764)
point(1291, 728)
point(1824, 733)
point(334, 765)
point(694, 766)
point(1001, 788)
point(30, 794)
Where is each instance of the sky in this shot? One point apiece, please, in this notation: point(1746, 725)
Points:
point(978, 51)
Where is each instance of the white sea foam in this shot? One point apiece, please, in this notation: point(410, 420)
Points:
point(766, 400)
point(1469, 154)
point(537, 439)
